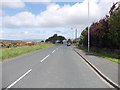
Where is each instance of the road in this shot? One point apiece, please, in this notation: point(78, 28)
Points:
point(55, 67)
point(0, 75)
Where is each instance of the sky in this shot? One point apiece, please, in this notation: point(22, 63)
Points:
point(40, 19)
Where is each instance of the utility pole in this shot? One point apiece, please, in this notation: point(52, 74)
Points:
point(75, 33)
point(72, 33)
point(88, 30)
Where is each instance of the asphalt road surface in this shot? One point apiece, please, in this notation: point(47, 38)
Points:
point(55, 67)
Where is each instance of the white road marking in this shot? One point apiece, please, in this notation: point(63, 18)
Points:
point(19, 79)
point(98, 74)
point(44, 58)
point(57, 48)
point(53, 51)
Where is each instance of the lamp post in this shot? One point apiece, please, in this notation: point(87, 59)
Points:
point(76, 33)
point(88, 30)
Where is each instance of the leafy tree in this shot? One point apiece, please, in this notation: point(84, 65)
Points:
point(106, 32)
point(114, 24)
point(83, 37)
point(54, 38)
point(61, 38)
point(69, 41)
point(98, 32)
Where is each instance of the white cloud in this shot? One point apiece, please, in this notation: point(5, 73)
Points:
point(14, 34)
point(19, 20)
point(1, 12)
point(37, 1)
point(56, 15)
point(12, 4)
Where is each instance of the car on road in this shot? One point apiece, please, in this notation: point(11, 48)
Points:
point(68, 44)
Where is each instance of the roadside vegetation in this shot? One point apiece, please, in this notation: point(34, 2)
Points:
point(8, 49)
point(104, 35)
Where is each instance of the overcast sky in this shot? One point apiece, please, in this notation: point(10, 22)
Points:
point(40, 20)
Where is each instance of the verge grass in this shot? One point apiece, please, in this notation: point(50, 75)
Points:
point(6, 53)
point(102, 55)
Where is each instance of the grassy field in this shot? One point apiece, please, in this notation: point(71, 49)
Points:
point(96, 52)
point(6, 53)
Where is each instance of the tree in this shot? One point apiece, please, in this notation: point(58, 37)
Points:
point(54, 38)
point(69, 41)
point(106, 32)
point(114, 24)
point(61, 38)
point(98, 33)
point(83, 37)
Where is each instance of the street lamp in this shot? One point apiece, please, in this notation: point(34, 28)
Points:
point(75, 32)
point(88, 30)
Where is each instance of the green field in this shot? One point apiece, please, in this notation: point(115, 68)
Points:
point(6, 53)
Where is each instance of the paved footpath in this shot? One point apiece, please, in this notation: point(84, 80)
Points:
point(108, 68)
point(0, 75)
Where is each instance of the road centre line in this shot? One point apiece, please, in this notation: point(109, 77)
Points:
point(18, 79)
point(57, 48)
point(44, 58)
point(53, 51)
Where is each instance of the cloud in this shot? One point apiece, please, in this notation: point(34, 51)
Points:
point(37, 1)
point(56, 15)
point(23, 19)
point(12, 4)
point(13, 34)
point(1, 12)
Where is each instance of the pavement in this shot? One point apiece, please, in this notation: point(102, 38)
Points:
point(108, 68)
point(55, 67)
point(0, 75)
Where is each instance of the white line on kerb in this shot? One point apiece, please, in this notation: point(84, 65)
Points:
point(101, 74)
point(53, 51)
point(44, 58)
point(97, 73)
point(18, 79)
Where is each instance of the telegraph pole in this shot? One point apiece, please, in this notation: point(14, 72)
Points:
point(75, 33)
point(88, 30)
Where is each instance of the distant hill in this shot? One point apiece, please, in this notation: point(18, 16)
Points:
point(9, 40)
point(32, 40)
point(25, 40)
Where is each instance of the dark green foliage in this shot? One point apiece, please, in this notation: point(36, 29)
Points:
point(98, 33)
point(55, 38)
point(83, 37)
point(106, 32)
point(69, 41)
point(114, 28)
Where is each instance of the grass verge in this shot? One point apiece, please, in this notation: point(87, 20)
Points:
point(6, 53)
point(102, 55)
